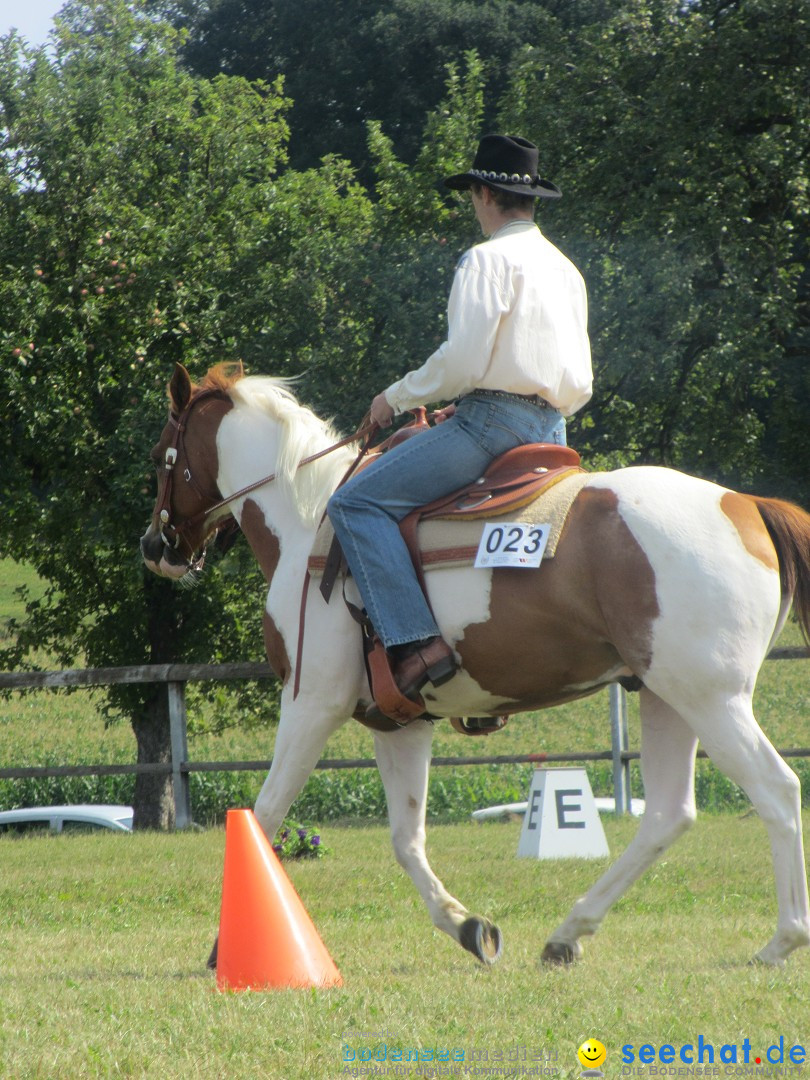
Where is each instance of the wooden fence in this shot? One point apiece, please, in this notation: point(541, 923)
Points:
point(175, 677)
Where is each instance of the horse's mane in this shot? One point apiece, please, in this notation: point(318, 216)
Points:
point(220, 377)
point(302, 433)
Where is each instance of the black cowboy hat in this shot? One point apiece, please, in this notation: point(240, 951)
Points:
point(508, 163)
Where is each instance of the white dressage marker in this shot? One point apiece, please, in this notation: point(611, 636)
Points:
point(561, 820)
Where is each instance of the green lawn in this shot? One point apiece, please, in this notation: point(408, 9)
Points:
point(104, 939)
point(13, 577)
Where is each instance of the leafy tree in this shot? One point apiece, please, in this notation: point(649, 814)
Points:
point(679, 134)
point(418, 233)
point(143, 221)
point(394, 285)
point(347, 64)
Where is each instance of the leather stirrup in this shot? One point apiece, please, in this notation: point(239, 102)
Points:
point(388, 696)
point(478, 725)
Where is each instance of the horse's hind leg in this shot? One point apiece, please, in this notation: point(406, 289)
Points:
point(738, 746)
point(403, 758)
point(668, 748)
point(732, 738)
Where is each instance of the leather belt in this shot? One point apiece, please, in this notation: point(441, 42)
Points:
point(533, 399)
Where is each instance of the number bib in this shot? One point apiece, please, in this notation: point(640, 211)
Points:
point(512, 543)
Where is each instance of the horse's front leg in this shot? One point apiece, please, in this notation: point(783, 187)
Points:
point(332, 680)
point(403, 758)
point(304, 728)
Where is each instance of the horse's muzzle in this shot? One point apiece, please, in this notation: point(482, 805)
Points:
point(160, 558)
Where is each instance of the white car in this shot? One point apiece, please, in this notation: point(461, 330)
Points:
point(73, 818)
point(517, 809)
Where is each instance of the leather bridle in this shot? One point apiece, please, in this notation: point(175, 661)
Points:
point(172, 535)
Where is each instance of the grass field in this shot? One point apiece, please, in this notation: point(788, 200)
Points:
point(104, 939)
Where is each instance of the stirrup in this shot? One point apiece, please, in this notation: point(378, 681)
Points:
point(478, 725)
point(388, 698)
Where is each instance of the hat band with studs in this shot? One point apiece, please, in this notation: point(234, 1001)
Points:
point(503, 178)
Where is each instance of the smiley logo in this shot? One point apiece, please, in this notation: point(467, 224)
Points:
point(591, 1054)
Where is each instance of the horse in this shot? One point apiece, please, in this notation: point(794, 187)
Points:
point(658, 575)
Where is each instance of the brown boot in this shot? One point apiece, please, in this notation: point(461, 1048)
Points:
point(419, 663)
point(430, 661)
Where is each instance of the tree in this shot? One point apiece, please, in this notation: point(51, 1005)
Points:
point(678, 131)
point(679, 134)
point(393, 285)
point(348, 64)
point(143, 221)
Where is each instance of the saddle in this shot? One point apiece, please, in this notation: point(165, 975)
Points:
point(510, 482)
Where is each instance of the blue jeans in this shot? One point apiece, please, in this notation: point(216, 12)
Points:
point(365, 512)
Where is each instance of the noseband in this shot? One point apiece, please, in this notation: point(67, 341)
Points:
point(171, 534)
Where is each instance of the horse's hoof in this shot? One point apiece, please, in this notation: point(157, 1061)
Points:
point(763, 961)
point(482, 938)
point(212, 959)
point(560, 952)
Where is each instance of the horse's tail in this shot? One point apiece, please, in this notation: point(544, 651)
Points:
point(789, 528)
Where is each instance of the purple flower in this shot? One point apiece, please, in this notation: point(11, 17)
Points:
point(277, 848)
point(316, 840)
point(302, 834)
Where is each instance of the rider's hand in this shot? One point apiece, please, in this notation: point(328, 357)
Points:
point(381, 411)
point(443, 414)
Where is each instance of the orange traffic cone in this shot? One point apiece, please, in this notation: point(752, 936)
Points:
point(266, 937)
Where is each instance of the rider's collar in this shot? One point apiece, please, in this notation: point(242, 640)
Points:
point(516, 223)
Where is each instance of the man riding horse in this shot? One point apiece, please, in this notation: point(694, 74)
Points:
point(516, 363)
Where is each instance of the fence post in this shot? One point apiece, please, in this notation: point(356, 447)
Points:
point(177, 725)
point(619, 742)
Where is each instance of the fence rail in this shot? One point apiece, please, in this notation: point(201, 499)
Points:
point(175, 677)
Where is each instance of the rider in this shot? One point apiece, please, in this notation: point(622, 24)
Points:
point(517, 362)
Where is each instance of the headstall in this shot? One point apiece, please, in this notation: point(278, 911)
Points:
point(171, 534)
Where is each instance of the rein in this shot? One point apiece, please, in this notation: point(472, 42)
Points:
point(365, 432)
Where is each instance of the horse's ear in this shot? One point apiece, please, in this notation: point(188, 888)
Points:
point(180, 389)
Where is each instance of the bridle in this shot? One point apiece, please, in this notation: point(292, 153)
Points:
point(172, 535)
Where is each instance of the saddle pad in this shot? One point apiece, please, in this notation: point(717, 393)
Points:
point(446, 543)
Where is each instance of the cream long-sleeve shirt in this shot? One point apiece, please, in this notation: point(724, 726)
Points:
point(517, 321)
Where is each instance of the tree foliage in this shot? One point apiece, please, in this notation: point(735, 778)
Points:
point(345, 64)
point(143, 222)
point(680, 133)
point(680, 136)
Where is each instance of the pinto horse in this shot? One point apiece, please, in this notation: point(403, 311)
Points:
point(671, 579)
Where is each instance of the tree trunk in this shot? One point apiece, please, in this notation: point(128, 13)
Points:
point(153, 802)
